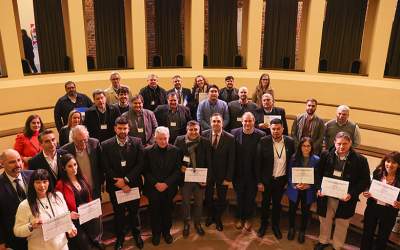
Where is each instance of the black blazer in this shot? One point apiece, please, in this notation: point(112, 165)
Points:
point(159, 99)
point(223, 94)
point(162, 117)
point(185, 92)
point(111, 163)
point(39, 162)
point(9, 203)
point(63, 136)
point(259, 116)
point(94, 151)
point(153, 169)
point(237, 133)
point(203, 156)
point(223, 157)
point(264, 163)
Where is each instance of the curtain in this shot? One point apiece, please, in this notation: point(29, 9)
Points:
point(50, 32)
point(342, 33)
point(393, 56)
point(279, 32)
point(222, 32)
point(110, 32)
point(168, 30)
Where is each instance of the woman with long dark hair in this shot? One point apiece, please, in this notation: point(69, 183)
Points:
point(377, 212)
point(303, 158)
point(199, 86)
point(262, 88)
point(42, 203)
point(27, 143)
point(76, 190)
point(65, 135)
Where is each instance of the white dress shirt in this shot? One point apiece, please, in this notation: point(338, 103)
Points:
point(279, 162)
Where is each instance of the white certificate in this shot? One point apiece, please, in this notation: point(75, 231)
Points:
point(124, 197)
point(334, 188)
point(89, 211)
point(202, 97)
point(384, 192)
point(57, 225)
point(200, 175)
point(303, 175)
point(269, 118)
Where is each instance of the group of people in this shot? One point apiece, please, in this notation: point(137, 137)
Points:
point(159, 136)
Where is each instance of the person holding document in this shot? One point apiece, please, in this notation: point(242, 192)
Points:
point(42, 203)
point(388, 172)
point(303, 158)
point(342, 163)
point(76, 190)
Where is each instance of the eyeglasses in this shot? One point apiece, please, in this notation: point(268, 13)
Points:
point(115, 79)
point(82, 142)
point(264, 79)
point(306, 146)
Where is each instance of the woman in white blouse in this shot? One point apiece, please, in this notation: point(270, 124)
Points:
point(42, 204)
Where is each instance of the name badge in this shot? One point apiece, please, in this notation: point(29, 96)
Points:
point(239, 119)
point(153, 102)
point(337, 173)
point(140, 130)
point(186, 159)
point(123, 163)
point(173, 124)
point(103, 126)
point(280, 161)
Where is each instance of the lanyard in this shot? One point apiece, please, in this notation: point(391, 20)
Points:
point(279, 156)
point(37, 150)
point(122, 148)
point(45, 209)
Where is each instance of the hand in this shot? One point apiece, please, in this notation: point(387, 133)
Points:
point(319, 194)
point(75, 215)
point(3, 246)
point(348, 197)
point(300, 186)
point(367, 194)
point(126, 189)
point(183, 169)
point(202, 184)
point(226, 183)
point(72, 233)
point(26, 159)
point(263, 125)
point(261, 187)
point(145, 145)
point(306, 186)
point(37, 224)
point(161, 186)
point(396, 204)
point(287, 184)
point(120, 182)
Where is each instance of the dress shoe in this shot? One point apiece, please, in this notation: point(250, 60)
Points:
point(186, 231)
point(290, 235)
point(302, 237)
point(261, 231)
point(219, 227)
point(119, 243)
point(320, 246)
point(139, 241)
point(168, 238)
point(247, 225)
point(156, 239)
point(277, 232)
point(100, 245)
point(209, 221)
point(200, 230)
point(238, 224)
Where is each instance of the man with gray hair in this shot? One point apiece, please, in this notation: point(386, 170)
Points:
point(153, 94)
point(342, 123)
point(112, 92)
point(184, 94)
point(162, 170)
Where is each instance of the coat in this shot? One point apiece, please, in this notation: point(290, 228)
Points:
point(317, 131)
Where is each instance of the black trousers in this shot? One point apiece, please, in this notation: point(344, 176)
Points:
point(81, 239)
point(32, 64)
point(216, 210)
point(377, 214)
point(274, 190)
point(305, 210)
point(245, 188)
point(160, 213)
point(119, 216)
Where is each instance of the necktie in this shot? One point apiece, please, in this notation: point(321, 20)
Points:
point(20, 190)
point(179, 97)
point(215, 142)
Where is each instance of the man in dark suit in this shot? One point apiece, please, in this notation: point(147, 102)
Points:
point(100, 118)
point(13, 189)
point(173, 116)
point(153, 94)
point(229, 93)
point(50, 157)
point(244, 181)
point(184, 95)
point(223, 165)
point(195, 153)
point(268, 109)
point(162, 170)
point(272, 161)
point(122, 159)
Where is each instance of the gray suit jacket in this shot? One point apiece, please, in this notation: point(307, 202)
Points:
point(150, 124)
point(317, 131)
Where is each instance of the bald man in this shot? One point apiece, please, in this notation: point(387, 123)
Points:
point(238, 107)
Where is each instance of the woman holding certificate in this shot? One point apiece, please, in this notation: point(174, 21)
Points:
point(378, 212)
point(42, 203)
point(303, 158)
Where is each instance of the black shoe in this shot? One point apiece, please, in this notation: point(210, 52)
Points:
point(99, 245)
point(168, 238)
point(277, 232)
point(320, 246)
point(119, 243)
point(290, 235)
point(209, 221)
point(220, 227)
point(200, 230)
point(261, 231)
point(186, 231)
point(156, 239)
point(302, 237)
point(139, 241)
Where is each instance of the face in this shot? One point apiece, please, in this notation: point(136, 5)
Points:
point(81, 141)
point(173, 102)
point(248, 123)
point(276, 131)
point(391, 166)
point(41, 187)
point(122, 130)
point(311, 107)
point(213, 94)
point(115, 79)
point(267, 102)
point(200, 82)
point(216, 123)
point(229, 83)
point(342, 145)
point(12, 164)
point(265, 81)
point(193, 132)
point(152, 81)
point(342, 116)
point(123, 97)
point(306, 148)
point(70, 89)
point(243, 93)
point(162, 140)
point(177, 83)
point(76, 119)
point(137, 105)
point(71, 168)
point(49, 143)
point(35, 125)
point(100, 101)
